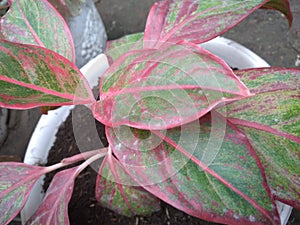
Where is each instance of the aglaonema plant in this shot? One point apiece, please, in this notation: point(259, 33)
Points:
point(182, 126)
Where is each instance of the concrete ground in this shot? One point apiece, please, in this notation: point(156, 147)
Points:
point(264, 32)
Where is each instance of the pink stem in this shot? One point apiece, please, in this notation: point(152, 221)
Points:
point(99, 153)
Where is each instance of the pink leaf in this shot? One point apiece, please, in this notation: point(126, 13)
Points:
point(194, 21)
point(32, 76)
point(207, 169)
point(38, 23)
point(165, 87)
point(54, 208)
point(16, 182)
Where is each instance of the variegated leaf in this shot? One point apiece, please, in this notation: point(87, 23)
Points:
point(271, 120)
point(38, 23)
point(54, 208)
point(166, 87)
point(117, 191)
point(199, 21)
point(16, 182)
point(116, 48)
point(207, 169)
point(32, 76)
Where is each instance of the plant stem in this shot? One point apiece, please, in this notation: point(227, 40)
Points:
point(83, 156)
point(88, 162)
point(90, 155)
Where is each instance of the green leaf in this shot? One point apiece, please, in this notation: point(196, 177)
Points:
point(206, 169)
point(32, 76)
point(271, 121)
point(117, 191)
point(38, 23)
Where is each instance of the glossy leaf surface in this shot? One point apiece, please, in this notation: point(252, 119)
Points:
point(196, 21)
point(118, 192)
point(220, 183)
point(163, 88)
point(271, 120)
point(16, 182)
point(38, 23)
point(54, 208)
point(32, 76)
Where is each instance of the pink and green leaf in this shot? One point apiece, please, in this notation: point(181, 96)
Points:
point(38, 23)
point(282, 6)
point(222, 183)
point(118, 192)
point(32, 76)
point(165, 87)
point(54, 208)
point(16, 182)
point(195, 21)
point(118, 47)
point(271, 121)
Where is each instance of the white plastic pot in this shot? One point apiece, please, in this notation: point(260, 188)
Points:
point(43, 137)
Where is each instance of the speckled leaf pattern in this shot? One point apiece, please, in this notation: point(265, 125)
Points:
point(16, 182)
point(118, 192)
point(282, 6)
point(271, 120)
point(194, 20)
point(54, 208)
point(230, 188)
point(166, 87)
point(32, 76)
point(38, 23)
point(118, 47)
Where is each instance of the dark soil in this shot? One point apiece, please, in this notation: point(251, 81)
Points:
point(83, 207)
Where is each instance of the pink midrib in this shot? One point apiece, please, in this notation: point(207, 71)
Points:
point(34, 34)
